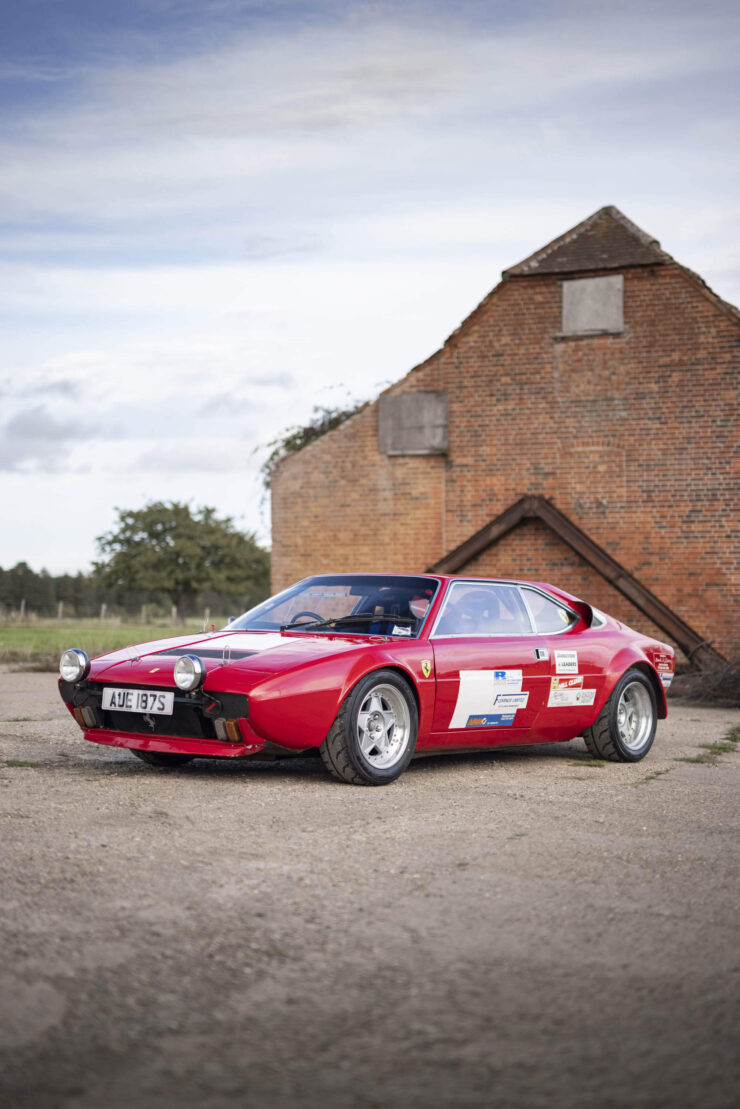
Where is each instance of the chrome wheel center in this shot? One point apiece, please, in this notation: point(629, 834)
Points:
point(383, 726)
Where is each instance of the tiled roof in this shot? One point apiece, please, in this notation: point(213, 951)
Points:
point(606, 240)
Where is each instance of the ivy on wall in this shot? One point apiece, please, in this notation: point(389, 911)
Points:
point(296, 438)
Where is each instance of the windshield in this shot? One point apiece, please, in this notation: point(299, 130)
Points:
point(361, 604)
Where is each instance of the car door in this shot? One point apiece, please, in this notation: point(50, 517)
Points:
point(577, 658)
point(491, 669)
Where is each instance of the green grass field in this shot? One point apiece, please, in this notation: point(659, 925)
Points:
point(38, 645)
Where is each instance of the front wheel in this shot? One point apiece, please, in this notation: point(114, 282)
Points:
point(374, 735)
point(160, 758)
point(625, 728)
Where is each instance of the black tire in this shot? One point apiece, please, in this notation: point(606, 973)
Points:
point(342, 751)
point(608, 738)
point(161, 759)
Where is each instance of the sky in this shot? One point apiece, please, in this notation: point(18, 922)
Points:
point(216, 214)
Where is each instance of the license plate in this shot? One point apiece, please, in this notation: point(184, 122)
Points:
point(138, 700)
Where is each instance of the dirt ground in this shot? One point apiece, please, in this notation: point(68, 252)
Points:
point(517, 929)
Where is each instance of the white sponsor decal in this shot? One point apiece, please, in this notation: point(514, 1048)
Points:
point(666, 679)
point(510, 701)
point(399, 629)
point(566, 692)
point(566, 662)
point(479, 690)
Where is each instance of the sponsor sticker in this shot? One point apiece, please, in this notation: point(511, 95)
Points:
point(477, 697)
point(511, 701)
point(567, 692)
point(498, 720)
point(666, 679)
point(566, 662)
point(398, 629)
point(567, 683)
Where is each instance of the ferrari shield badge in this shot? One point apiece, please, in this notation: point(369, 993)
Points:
point(426, 667)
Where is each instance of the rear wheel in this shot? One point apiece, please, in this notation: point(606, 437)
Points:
point(374, 735)
point(160, 758)
point(625, 728)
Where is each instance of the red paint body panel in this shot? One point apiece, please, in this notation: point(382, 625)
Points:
point(296, 681)
point(171, 745)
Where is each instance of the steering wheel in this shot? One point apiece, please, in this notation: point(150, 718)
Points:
point(311, 615)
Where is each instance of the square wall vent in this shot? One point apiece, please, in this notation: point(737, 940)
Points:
point(593, 304)
point(412, 423)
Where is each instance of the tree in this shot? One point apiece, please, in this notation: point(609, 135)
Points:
point(171, 549)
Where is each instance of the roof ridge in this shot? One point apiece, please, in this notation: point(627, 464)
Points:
point(643, 236)
point(654, 254)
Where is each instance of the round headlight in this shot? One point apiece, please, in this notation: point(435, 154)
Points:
point(189, 672)
point(74, 665)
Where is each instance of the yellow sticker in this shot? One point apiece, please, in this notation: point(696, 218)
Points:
point(154, 671)
point(426, 667)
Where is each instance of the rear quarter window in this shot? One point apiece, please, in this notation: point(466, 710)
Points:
point(548, 616)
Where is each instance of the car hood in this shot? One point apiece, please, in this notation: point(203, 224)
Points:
point(261, 653)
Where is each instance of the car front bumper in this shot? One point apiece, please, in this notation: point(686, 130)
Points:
point(174, 745)
point(202, 723)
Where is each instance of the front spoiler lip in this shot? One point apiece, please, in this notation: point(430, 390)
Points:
point(172, 745)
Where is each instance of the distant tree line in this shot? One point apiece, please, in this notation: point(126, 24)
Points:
point(163, 556)
point(82, 595)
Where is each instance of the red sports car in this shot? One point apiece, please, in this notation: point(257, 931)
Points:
point(372, 669)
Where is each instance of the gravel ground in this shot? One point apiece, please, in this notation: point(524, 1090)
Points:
point(518, 929)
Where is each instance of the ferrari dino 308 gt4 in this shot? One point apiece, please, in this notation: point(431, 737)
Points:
point(373, 669)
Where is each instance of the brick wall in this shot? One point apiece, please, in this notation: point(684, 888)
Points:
point(634, 436)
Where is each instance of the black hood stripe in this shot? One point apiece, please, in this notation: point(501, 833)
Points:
point(209, 653)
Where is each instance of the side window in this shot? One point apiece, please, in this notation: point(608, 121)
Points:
point(482, 608)
point(547, 614)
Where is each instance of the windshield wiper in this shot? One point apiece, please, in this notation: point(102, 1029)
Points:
point(337, 621)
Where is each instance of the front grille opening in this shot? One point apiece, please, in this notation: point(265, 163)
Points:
point(187, 719)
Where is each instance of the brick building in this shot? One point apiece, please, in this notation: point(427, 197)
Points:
point(579, 427)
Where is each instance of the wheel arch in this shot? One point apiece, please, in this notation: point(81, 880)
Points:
point(424, 700)
point(658, 690)
point(408, 678)
point(380, 664)
point(630, 659)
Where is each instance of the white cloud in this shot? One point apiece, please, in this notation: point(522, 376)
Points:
point(198, 251)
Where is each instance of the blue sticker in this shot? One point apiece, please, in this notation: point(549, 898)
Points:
point(500, 720)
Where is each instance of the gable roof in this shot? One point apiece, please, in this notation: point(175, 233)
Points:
point(697, 649)
point(606, 240)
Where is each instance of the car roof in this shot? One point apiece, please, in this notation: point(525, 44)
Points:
point(444, 579)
